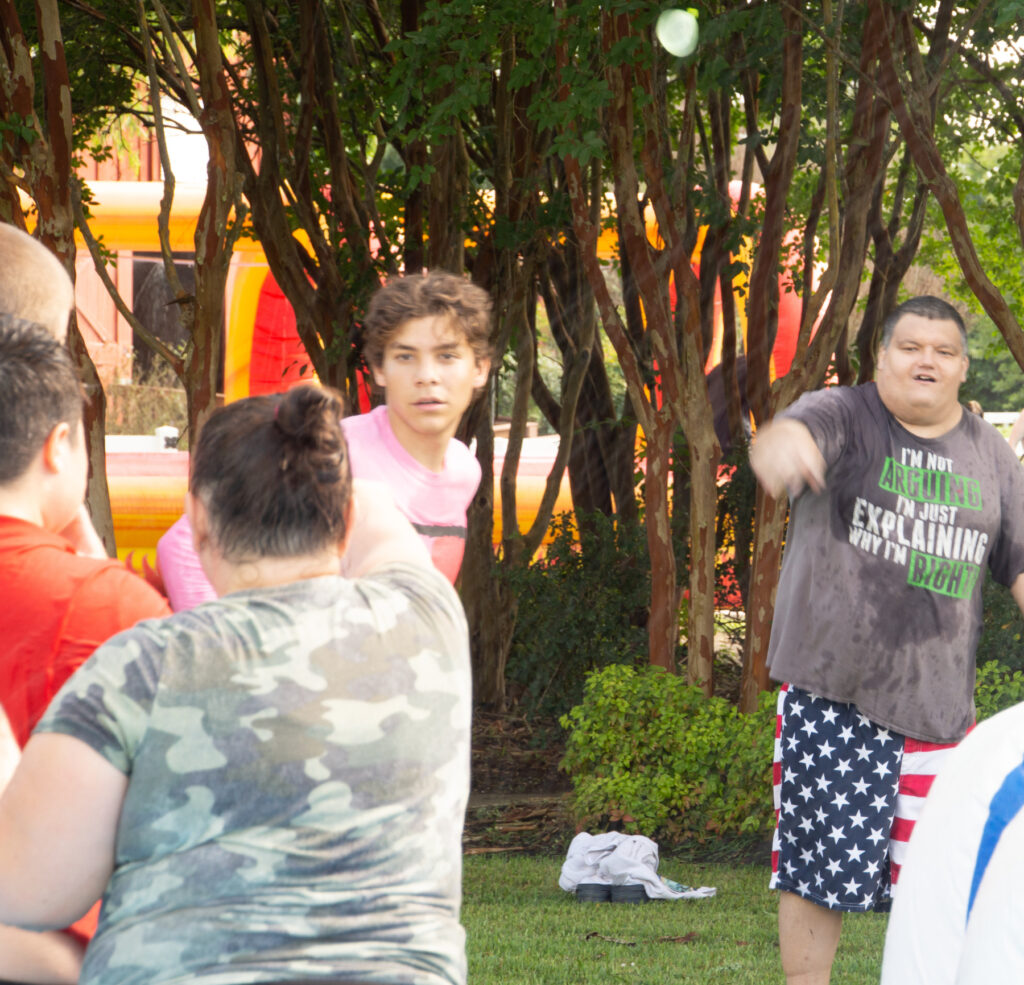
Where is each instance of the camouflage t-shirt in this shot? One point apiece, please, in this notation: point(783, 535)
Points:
point(298, 764)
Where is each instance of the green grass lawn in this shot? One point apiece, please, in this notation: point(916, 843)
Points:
point(523, 930)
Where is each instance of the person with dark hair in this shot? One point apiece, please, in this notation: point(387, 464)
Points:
point(58, 605)
point(426, 340)
point(435, 294)
point(899, 501)
point(274, 781)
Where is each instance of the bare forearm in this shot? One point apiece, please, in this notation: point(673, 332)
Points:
point(785, 458)
point(58, 825)
point(1017, 591)
point(48, 958)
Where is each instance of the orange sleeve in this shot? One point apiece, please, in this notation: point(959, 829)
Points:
point(108, 602)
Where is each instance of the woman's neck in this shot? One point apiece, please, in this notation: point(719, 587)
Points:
point(269, 572)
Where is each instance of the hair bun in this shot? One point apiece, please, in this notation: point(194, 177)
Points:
point(308, 418)
point(305, 412)
point(273, 472)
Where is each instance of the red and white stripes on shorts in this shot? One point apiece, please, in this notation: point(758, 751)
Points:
point(921, 761)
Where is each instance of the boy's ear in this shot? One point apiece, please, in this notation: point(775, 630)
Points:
point(57, 447)
point(483, 369)
point(379, 376)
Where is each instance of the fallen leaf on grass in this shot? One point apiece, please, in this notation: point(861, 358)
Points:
point(611, 940)
point(685, 939)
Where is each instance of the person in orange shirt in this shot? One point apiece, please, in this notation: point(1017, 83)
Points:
point(60, 599)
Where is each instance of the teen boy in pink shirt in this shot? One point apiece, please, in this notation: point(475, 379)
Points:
point(427, 345)
point(426, 341)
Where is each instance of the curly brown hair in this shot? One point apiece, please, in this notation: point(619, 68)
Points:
point(438, 292)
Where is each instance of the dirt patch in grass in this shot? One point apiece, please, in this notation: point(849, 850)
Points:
point(519, 799)
point(514, 756)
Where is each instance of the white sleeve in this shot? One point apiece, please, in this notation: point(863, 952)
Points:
point(932, 930)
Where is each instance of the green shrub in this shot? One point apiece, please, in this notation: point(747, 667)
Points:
point(1002, 627)
point(996, 688)
point(579, 609)
point(650, 753)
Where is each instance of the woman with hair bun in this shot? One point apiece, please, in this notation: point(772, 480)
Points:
point(269, 787)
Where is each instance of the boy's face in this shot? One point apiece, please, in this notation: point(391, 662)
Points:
point(429, 374)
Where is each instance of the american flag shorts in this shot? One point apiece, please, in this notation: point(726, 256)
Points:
point(847, 795)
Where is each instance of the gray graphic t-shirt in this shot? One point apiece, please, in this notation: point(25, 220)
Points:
point(298, 764)
point(879, 603)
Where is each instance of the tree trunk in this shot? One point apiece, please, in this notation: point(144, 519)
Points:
point(94, 422)
point(890, 264)
point(601, 461)
point(214, 239)
point(865, 155)
point(763, 303)
point(490, 607)
point(770, 525)
point(50, 180)
point(663, 622)
point(705, 456)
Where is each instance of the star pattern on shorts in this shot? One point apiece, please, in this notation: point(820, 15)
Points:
point(835, 808)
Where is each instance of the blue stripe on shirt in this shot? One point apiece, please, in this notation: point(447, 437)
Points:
point(1005, 805)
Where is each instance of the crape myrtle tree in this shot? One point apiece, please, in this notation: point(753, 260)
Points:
point(377, 137)
point(501, 138)
point(466, 86)
point(39, 137)
point(960, 70)
point(287, 96)
point(307, 80)
point(976, 51)
point(667, 132)
point(164, 50)
point(386, 137)
point(635, 125)
point(826, 121)
point(42, 163)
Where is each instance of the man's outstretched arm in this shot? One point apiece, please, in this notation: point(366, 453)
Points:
point(785, 458)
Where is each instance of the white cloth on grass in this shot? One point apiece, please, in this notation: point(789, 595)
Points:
point(616, 859)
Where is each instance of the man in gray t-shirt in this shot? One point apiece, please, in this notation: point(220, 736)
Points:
point(899, 501)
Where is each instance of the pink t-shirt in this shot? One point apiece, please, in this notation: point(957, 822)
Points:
point(435, 503)
point(184, 579)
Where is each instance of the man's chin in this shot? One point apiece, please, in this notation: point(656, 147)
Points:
point(927, 413)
